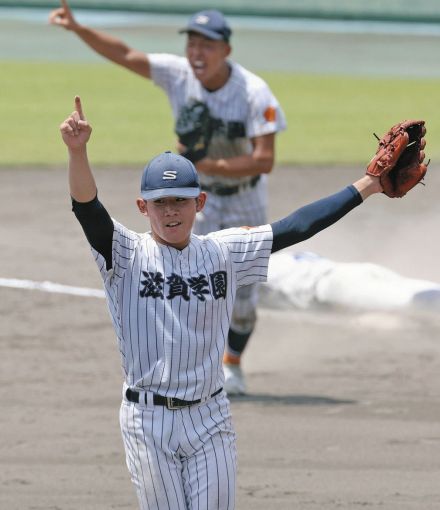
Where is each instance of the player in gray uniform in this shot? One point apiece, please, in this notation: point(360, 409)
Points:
point(229, 117)
point(170, 294)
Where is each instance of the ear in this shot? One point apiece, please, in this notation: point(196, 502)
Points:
point(200, 201)
point(142, 206)
point(228, 49)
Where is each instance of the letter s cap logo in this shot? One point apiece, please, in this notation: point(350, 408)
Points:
point(169, 175)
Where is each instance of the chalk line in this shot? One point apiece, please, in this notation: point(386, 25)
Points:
point(56, 288)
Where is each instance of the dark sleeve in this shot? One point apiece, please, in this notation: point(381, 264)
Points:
point(97, 225)
point(311, 219)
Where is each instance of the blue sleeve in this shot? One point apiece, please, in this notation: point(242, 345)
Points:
point(97, 225)
point(311, 219)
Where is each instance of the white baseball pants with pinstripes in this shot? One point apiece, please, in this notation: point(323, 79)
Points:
point(246, 208)
point(181, 459)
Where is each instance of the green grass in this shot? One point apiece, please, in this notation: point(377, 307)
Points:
point(330, 118)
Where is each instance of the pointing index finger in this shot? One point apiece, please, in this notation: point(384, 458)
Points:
point(78, 107)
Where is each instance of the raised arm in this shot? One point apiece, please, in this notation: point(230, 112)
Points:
point(395, 169)
point(76, 131)
point(312, 218)
point(109, 47)
point(94, 218)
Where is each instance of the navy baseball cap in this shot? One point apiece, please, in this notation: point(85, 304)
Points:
point(211, 24)
point(169, 175)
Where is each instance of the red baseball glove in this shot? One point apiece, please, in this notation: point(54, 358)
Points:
point(399, 158)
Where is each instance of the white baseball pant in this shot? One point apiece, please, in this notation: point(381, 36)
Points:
point(181, 459)
point(246, 208)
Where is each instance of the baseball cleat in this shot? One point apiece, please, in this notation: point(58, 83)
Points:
point(234, 380)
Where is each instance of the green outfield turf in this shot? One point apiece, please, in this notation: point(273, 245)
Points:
point(330, 118)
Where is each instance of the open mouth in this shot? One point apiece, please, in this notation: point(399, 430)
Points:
point(198, 66)
point(173, 224)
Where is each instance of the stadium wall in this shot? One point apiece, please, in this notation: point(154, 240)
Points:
point(392, 10)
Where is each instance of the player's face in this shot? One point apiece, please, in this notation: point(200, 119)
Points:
point(208, 60)
point(172, 218)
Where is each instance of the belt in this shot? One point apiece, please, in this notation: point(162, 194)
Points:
point(223, 191)
point(169, 402)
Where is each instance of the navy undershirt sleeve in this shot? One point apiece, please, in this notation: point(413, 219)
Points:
point(311, 219)
point(97, 225)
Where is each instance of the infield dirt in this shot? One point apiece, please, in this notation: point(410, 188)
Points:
point(342, 411)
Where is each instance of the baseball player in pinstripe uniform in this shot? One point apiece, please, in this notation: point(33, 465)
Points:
point(170, 294)
point(226, 120)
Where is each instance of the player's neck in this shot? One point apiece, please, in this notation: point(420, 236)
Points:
point(178, 245)
point(219, 80)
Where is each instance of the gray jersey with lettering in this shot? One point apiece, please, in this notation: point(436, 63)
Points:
point(242, 109)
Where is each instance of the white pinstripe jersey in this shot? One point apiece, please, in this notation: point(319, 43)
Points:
point(171, 309)
point(245, 99)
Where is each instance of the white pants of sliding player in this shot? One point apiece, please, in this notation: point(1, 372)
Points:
point(181, 459)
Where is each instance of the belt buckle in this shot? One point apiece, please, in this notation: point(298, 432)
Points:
point(172, 406)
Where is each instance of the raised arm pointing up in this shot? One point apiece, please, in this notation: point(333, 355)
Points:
point(109, 47)
point(76, 131)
